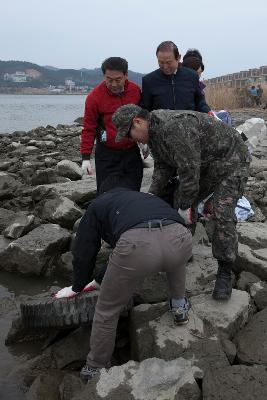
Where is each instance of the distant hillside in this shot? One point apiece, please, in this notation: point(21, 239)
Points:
point(40, 77)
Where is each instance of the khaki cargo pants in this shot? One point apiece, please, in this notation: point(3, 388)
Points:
point(139, 252)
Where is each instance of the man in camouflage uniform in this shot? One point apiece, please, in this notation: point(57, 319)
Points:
point(209, 157)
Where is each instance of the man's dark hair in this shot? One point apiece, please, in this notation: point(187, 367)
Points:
point(168, 46)
point(193, 53)
point(116, 180)
point(115, 64)
point(193, 63)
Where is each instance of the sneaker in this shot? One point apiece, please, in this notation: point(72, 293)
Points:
point(180, 314)
point(89, 372)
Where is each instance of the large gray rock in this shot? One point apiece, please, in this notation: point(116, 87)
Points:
point(258, 291)
point(257, 166)
point(238, 382)
point(42, 144)
point(44, 176)
point(152, 379)
point(4, 243)
point(59, 210)
point(19, 227)
point(255, 190)
point(7, 182)
point(252, 234)
point(153, 333)
point(45, 386)
point(78, 191)
point(6, 217)
point(69, 169)
point(252, 340)
point(245, 280)
point(201, 271)
point(248, 260)
point(35, 252)
point(225, 317)
point(70, 351)
point(70, 386)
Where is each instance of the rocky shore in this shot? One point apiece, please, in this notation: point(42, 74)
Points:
point(220, 354)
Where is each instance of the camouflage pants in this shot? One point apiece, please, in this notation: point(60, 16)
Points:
point(223, 221)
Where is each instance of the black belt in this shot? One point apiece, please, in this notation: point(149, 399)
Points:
point(154, 223)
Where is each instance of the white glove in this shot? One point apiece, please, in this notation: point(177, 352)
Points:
point(66, 292)
point(87, 167)
point(186, 215)
point(91, 286)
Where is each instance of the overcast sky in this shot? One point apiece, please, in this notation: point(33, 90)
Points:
point(81, 33)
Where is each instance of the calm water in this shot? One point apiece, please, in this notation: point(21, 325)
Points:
point(25, 112)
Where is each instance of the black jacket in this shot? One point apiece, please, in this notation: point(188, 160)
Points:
point(107, 217)
point(180, 91)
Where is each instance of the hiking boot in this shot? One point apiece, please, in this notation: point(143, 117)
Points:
point(180, 313)
point(223, 285)
point(88, 373)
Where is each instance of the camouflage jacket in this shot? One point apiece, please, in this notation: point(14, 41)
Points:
point(195, 147)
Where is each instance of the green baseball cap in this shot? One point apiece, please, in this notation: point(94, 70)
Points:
point(123, 119)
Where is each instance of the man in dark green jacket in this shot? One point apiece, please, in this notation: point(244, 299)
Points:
point(209, 157)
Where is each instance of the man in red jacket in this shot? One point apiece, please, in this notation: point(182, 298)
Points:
point(101, 103)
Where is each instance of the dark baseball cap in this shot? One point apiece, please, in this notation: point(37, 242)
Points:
point(123, 119)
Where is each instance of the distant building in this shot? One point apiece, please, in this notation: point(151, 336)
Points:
point(241, 79)
point(69, 85)
point(18, 77)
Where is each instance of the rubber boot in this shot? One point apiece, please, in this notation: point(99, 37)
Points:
point(223, 285)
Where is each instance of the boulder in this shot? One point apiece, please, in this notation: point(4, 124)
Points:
point(238, 382)
point(252, 234)
point(59, 210)
point(258, 215)
point(4, 243)
point(70, 386)
point(35, 252)
point(245, 280)
point(19, 227)
point(78, 191)
point(42, 144)
point(225, 317)
point(251, 341)
point(149, 380)
point(69, 169)
point(201, 271)
point(257, 166)
point(153, 333)
point(45, 386)
point(254, 129)
point(44, 176)
point(5, 165)
point(258, 291)
point(229, 348)
point(247, 260)
point(254, 191)
point(6, 217)
point(7, 182)
point(67, 353)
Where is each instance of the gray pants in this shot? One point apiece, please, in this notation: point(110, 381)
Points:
point(139, 253)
